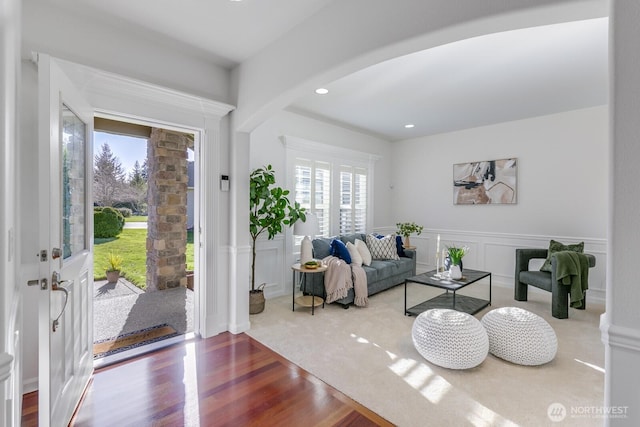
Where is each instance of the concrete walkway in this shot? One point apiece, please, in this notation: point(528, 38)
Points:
point(135, 225)
point(119, 308)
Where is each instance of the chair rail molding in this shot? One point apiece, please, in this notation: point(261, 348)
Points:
point(619, 336)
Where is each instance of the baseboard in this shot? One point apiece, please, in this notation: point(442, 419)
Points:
point(30, 385)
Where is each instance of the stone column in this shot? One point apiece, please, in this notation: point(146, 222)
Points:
point(167, 201)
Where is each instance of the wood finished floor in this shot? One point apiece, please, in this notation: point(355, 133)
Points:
point(226, 380)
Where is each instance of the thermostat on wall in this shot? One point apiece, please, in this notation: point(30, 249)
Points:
point(224, 182)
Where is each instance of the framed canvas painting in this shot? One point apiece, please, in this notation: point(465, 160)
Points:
point(483, 183)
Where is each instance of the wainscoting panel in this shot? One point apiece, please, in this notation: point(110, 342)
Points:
point(495, 252)
point(271, 267)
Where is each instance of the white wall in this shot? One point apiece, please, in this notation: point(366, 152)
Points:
point(620, 325)
point(562, 189)
point(267, 148)
point(10, 302)
point(50, 28)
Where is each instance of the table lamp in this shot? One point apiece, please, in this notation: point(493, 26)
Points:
point(306, 229)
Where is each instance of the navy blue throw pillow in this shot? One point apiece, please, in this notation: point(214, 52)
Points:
point(339, 249)
point(400, 246)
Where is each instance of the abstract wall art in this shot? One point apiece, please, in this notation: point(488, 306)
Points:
point(487, 182)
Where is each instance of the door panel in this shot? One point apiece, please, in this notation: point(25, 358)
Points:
point(66, 230)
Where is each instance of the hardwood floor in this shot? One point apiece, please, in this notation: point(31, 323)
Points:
point(226, 380)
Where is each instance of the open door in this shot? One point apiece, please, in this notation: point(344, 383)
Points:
point(66, 244)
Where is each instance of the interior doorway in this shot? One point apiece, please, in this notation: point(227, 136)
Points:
point(146, 174)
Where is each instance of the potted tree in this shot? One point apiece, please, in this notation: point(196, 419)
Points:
point(269, 211)
point(114, 264)
point(405, 229)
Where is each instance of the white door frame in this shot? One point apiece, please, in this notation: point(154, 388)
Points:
point(125, 99)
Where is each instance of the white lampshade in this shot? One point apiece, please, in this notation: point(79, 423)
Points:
point(306, 229)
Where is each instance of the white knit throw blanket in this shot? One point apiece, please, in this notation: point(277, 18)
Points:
point(360, 286)
point(338, 280)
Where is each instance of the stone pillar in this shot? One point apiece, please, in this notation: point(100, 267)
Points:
point(167, 199)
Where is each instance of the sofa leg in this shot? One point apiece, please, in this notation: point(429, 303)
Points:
point(345, 306)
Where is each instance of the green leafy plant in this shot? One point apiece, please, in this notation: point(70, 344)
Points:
point(269, 210)
point(405, 229)
point(114, 262)
point(456, 253)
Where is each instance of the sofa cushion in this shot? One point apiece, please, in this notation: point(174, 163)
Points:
point(321, 247)
point(339, 249)
point(362, 248)
point(539, 279)
point(557, 247)
point(385, 268)
point(352, 238)
point(384, 248)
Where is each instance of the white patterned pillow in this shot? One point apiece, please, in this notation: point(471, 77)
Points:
point(364, 252)
point(384, 248)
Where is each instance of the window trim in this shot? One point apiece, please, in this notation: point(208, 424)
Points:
point(336, 156)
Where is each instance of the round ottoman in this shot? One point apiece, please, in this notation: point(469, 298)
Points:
point(450, 338)
point(519, 336)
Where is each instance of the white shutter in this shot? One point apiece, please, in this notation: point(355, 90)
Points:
point(313, 190)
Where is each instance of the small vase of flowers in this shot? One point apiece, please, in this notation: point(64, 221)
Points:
point(455, 255)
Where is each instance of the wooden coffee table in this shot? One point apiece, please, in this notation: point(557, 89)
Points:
point(449, 299)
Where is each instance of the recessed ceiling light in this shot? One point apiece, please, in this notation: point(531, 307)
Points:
point(409, 126)
point(322, 91)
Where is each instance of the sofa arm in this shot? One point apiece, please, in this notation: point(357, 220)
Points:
point(411, 253)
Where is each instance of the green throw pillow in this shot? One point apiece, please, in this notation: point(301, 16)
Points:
point(557, 247)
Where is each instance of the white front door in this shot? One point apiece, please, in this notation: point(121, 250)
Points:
point(66, 244)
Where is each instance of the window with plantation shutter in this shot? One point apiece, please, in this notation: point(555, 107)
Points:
point(333, 183)
point(313, 190)
point(353, 200)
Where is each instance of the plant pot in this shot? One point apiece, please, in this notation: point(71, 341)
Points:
point(113, 276)
point(447, 263)
point(455, 272)
point(189, 279)
point(256, 301)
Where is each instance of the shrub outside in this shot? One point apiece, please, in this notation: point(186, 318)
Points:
point(107, 222)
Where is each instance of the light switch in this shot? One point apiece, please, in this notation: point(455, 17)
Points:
point(224, 182)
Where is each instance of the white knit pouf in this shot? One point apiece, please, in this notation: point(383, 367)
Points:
point(519, 336)
point(449, 338)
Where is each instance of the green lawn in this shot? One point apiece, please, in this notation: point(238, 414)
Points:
point(135, 218)
point(132, 245)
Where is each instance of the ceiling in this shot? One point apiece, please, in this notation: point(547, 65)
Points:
point(474, 82)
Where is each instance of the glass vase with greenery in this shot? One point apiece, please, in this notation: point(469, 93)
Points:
point(405, 229)
point(456, 254)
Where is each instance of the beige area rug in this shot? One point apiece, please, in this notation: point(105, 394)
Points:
point(368, 354)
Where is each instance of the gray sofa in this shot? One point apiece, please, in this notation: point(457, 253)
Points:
point(381, 274)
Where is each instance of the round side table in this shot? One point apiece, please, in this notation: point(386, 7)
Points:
point(299, 273)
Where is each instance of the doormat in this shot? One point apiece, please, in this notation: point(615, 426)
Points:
point(109, 346)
